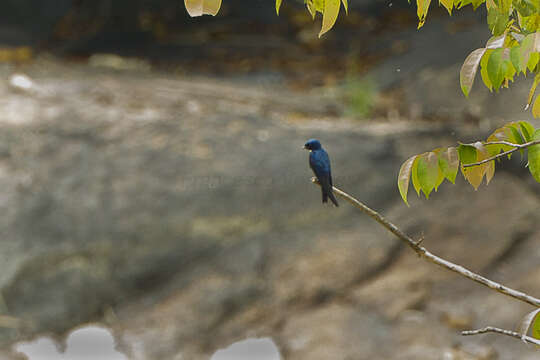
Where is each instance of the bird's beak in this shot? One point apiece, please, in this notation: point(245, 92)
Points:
point(304, 147)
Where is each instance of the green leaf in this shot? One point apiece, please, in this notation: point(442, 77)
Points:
point(404, 177)
point(533, 61)
point(483, 70)
point(515, 57)
point(462, 3)
point(474, 174)
point(495, 69)
point(525, 7)
point(533, 89)
point(482, 154)
point(330, 14)
point(489, 171)
point(536, 107)
point(440, 179)
point(346, 6)
point(528, 321)
point(530, 23)
point(500, 134)
point(529, 45)
point(414, 172)
point(536, 327)
point(422, 7)
point(497, 21)
point(468, 70)
point(508, 68)
point(449, 163)
point(428, 172)
point(527, 130)
point(534, 157)
point(278, 5)
point(514, 136)
point(467, 154)
point(311, 8)
point(448, 5)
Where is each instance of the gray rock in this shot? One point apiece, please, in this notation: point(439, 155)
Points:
point(188, 214)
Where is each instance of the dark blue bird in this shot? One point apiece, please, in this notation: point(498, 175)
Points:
point(319, 162)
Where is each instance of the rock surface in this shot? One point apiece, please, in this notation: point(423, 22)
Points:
point(179, 212)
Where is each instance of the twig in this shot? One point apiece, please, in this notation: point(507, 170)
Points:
point(501, 331)
point(422, 252)
point(516, 148)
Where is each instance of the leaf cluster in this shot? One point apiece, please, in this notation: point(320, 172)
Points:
point(504, 57)
point(427, 171)
point(328, 8)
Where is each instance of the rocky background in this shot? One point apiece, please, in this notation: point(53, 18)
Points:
point(159, 187)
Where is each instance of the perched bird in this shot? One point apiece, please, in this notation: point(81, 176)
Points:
point(319, 162)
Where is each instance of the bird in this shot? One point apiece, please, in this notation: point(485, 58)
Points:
point(319, 162)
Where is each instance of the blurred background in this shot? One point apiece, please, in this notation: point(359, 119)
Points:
point(153, 183)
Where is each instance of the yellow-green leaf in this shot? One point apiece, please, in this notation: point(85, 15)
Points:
point(414, 173)
point(500, 134)
point(531, 319)
point(331, 11)
point(468, 70)
point(278, 5)
point(482, 154)
point(448, 5)
point(421, 11)
point(311, 8)
point(449, 163)
point(483, 70)
point(440, 179)
point(474, 174)
point(490, 171)
point(536, 327)
point(515, 58)
point(428, 172)
point(536, 107)
point(526, 129)
point(514, 136)
point(529, 45)
point(319, 5)
point(346, 6)
point(404, 177)
point(534, 157)
point(495, 68)
point(533, 61)
point(202, 7)
point(440, 176)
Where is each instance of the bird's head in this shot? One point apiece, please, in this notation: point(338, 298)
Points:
point(312, 144)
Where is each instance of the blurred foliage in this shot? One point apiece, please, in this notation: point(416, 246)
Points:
point(19, 54)
point(428, 170)
point(360, 95)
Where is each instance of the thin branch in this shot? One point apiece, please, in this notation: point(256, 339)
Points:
point(516, 148)
point(423, 253)
point(501, 331)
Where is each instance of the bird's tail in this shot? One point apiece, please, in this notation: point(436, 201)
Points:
point(333, 198)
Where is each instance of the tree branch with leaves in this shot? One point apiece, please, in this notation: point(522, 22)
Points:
point(513, 49)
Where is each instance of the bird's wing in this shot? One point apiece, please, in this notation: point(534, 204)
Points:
point(319, 163)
